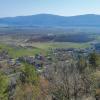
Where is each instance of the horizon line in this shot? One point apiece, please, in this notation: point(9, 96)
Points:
point(49, 14)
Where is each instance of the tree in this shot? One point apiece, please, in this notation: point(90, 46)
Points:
point(3, 87)
point(93, 60)
point(67, 82)
point(28, 88)
point(29, 74)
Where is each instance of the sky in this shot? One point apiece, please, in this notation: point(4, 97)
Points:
point(10, 8)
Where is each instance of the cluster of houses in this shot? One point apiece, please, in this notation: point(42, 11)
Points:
point(37, 60)
point(41, 61)
point(67, 54)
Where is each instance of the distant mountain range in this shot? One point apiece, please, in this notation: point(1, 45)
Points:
point(51, 20)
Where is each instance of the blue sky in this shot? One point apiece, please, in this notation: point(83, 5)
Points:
point(9, 8)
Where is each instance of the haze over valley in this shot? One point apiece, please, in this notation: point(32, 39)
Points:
point(49, 50)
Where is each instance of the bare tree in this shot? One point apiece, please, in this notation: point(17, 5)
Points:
point(67, 81)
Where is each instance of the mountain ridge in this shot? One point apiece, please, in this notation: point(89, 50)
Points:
point(52, 20)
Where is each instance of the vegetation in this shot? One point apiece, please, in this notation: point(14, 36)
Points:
point(28, 86)
point(49, 66)
point(74, 83)
point(16, 51)
point(3, 86)
point(29, 74)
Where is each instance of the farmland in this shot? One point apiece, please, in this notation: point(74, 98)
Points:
point(36, 64)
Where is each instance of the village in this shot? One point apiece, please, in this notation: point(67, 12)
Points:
point(10, 65)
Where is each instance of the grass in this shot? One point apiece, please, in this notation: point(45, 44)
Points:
point(19, 51)
point(16, 51)
point(60, 45)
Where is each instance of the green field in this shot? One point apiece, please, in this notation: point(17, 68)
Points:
point(60, 45)
point(17, 51)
